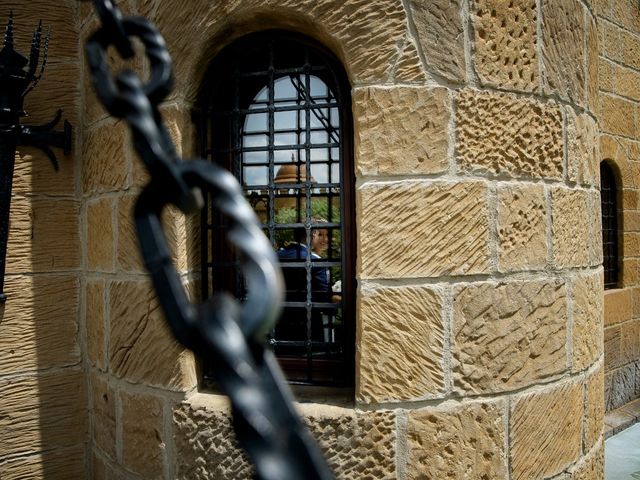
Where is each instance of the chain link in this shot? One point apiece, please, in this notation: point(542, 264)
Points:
point(229, 334)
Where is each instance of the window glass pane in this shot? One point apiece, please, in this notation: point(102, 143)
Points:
point(256, 122)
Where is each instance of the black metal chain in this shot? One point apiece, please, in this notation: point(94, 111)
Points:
point(230, 334)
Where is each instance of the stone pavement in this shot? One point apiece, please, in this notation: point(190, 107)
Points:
point(622, 455)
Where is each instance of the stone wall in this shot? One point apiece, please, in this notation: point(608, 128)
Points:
point(43, 413)
point(480, 342)
point(619, 27)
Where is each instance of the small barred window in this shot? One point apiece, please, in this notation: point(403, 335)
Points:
point(608, 194)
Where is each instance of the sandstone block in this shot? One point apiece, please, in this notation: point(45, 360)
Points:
point(58, 464)
point(624, 387)
point(631, 244)
point(630, 272)
point(623, 13)
point(409, 68)
point(103, 412)
point(507, 335)
point(595, 249)
point(104, 158)
point(27, 427)
point(141, 348)
point(563, 50)
point(626, 82)
point(571, 227)
point(610, 39)
point(630, 341)
point(43, 235)
point(401, 344)
point(417, 229)
point(462, 441)
point(401, 130)
point(616, 115)
point(505, 43)
point(594, 409)
point(440, 35)
point(505, 135)
point(521, 228)
point(34, 173)
point(587, 333)
point(593, 63)
point(128, 251)
point(606, 75)
point(592, 467)
point(95, 318)
point(38, 323)
point(631, 221)
point(100, 235)
point(630, 49)
point(612, 347)
point(630, 199)
point(635, 296)
point(545, 431)
point(583, 149)
point(143, 439)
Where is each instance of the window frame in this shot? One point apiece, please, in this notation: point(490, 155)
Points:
point(610, 234)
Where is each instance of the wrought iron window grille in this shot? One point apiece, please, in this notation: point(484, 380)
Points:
point(608, 198)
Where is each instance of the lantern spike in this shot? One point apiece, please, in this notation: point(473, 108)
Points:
point(8, 33)
point(35, 50)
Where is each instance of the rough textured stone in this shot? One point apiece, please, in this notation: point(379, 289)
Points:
point(594, 409)
point(630, 272)
point(616, 115)
point(594, 245)
point(461, 441)
point(439, 27)
point(624, 386)
point(506, 135)
point(39, 323)
point(630, 49)
point(606, 75)
point(357, 445)
point(128, 251)
point(612, 347)
point(142, 434)
point(141, 348)
point(571, 227)
point(61, 464)
point(545, 431)
point(103, 412)
point(409, 68)
point(583, 149)
point(100, 235)
point(401, 344)
point(624, 12)
point(414, 229)
point(95, 318)
point(27, 427)
point(593, 63)
point(34, 173)
point(587, 333)
point(592, 467)
point(401, 130)
point(563, 50)
point(43, 235)
point(522, 241)
point(104, 160)
point(505, 43)
point(507, 335)
point(630, 341)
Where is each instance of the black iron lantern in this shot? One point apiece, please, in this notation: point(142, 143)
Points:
point(18, 76)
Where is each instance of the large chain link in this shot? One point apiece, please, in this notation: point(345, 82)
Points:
point(231, 335)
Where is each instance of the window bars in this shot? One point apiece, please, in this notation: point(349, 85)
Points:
point(608, 194)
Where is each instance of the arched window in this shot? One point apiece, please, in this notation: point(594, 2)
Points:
point(275, 111)
point(608, 196)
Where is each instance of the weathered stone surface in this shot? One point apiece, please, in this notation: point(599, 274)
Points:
point(563, 49)
point(623, 13)
point(409, 68)
point(401, 130)
point(592, 467)
point(460, 441)
point(43, 235)
point(507, 335)
point(624, 386)
point(545, 431)
point(506, 135)
point(141, 348)
point(630, 272)
point(593, 63)
point(340, 24)
point(60, 464)
point(142, 434)
point(594, 246)
point(587, 332)
point(415, 229)
point(103, 412)
point(606, 74)
point(34, 173)
point(401, 344)
point(100, 235)
point(27, 427)
point(616, 115)
point(128, 251)
point(630, 341)
point(612, 347)
point(594, 409)
point(505, 43)
point(582, 149)
point(38, 323)
point(611, 40)
point(571, 227)
point(357, 445)
point(522, 241)
point(62, 19)
point(630, 49)
point(95, 318)
point(440, 35)
point(631, 244)
point(104, 158)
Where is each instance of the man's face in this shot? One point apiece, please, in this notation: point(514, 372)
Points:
point(319, 241)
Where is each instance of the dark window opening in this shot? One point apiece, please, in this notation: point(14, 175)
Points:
point(276, 112)
point(608, 196)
